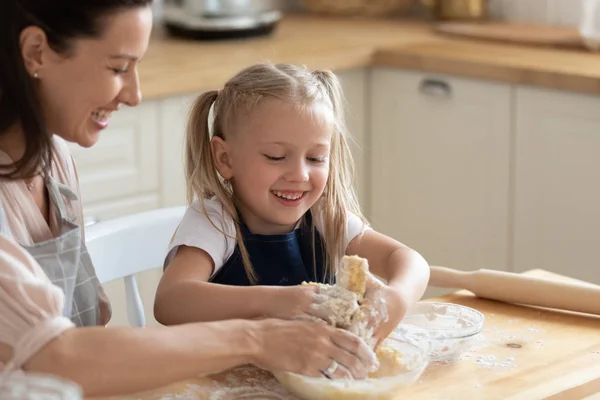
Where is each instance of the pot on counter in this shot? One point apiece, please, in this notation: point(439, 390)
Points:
point(221, 19)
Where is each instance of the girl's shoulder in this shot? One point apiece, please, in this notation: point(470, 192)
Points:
point(355, 224)
point(209, 215)
point(205, 225)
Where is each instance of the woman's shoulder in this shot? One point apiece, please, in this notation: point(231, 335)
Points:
point(31, 305)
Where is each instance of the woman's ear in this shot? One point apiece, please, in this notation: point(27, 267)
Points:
point(33, 43)
point(222, 157)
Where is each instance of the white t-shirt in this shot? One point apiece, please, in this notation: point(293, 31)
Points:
point(196, 230)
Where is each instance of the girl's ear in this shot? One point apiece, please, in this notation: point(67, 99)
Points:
point(222, 157)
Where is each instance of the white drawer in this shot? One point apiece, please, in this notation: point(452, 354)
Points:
point(124, 162)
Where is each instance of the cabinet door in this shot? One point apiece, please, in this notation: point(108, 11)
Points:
point(557, 183)
point(174, 113)
point(355, 85)
point(124, 162)
point(440, 166)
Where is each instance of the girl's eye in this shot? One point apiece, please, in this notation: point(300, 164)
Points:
point(272, 158)
point(317, 160)
point(119, 71)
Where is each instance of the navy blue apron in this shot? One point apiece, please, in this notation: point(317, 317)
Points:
point(278, 260)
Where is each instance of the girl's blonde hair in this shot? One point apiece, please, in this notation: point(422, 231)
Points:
point(246, 90)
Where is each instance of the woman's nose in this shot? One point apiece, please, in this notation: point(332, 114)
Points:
point(131, 94)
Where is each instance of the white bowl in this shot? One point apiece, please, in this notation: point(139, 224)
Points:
point(450, 328)
point(415, 358)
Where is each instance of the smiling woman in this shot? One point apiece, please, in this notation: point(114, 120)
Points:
point(67, 65)
point(51, 82)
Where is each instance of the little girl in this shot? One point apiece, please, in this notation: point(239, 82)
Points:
point(269, 176)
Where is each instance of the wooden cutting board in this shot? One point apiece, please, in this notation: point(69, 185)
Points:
point(525, 353)
point(525, 34)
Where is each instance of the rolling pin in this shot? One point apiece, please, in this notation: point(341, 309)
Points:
point(521, 289)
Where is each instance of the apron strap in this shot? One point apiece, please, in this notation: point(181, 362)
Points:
point(57, 191)
point(4, 227)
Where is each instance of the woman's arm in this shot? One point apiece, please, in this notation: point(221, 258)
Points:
point(107, 361)
point(405, 271)
point(120, 360)
point(184, 295)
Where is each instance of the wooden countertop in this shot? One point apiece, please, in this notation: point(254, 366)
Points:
point(175, 66)
point(524, 353)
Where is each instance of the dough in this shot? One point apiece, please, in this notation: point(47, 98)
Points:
point(391, 361)
point(342, 304)
point(346, 307)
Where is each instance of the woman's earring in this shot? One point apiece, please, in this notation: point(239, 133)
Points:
point(35, 75)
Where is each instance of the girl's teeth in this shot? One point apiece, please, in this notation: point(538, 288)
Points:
point(288, 196)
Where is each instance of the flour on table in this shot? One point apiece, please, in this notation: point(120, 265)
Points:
point(249, 383)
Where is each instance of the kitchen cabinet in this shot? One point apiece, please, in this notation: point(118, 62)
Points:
point(557, 175)
point(472, 174)
point(440, 156)
point(174, 113)
point(355, 84)
point(119, 175)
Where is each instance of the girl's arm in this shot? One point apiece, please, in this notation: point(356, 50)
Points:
point(185, 295)
point(405, 271)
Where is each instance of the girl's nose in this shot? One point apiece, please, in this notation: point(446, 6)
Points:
point(299, 172)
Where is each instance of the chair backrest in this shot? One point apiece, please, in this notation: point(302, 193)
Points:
point(125, 246)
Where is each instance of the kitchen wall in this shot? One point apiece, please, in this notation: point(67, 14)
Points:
point(552, 12)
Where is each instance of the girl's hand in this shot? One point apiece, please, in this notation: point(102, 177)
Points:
point(313, 302)
point(385, 307)
point(311, 349)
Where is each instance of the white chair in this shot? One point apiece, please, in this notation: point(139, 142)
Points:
point(124, 246)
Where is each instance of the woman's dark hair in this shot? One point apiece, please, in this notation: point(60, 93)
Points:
point(62, 21)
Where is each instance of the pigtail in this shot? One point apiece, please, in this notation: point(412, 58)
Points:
point(202, 178)
point(198, 153)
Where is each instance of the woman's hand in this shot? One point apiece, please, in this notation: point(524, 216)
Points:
point(311, 349)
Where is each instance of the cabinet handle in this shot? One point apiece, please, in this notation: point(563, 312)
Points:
point(436, 88)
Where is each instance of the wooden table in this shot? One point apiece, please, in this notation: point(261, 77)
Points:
point(524, 353)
